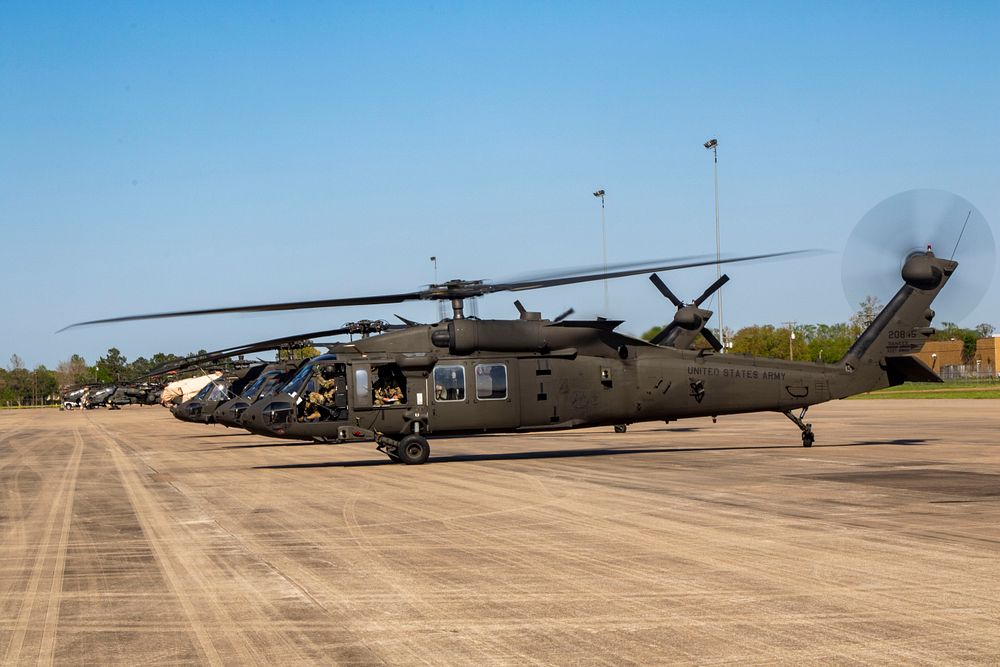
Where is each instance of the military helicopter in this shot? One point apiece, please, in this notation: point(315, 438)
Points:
point(462, 376)
point(225, 400)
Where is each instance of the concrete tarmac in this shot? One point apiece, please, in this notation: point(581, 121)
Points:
point(131, 538)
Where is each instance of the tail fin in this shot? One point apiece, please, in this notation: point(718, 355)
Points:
point(900, 330)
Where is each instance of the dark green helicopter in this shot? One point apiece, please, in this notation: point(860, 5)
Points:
point(222, 401)
point(462, 376)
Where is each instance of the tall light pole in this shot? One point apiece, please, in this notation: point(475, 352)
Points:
point(441, 313)
point(791, 340)
point(713, 145)
point(604, 246)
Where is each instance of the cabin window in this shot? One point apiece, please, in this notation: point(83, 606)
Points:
point(362, 386)
point(491, 381)
point(449, 383)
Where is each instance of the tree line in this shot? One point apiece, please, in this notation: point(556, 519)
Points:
point(828, 342)
point(20, 386)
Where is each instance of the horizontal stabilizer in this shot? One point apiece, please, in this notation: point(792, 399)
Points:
point(908, 368)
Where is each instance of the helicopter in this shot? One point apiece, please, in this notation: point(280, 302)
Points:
point(216, 405)
point(466, 376)
point(224, 404)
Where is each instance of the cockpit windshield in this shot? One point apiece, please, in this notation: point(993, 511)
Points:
point(205, 391)
point(255, 385)
point(295, 385)
point(272, 385)
point(219, 392)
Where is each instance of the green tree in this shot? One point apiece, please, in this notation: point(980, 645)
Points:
point(984, 330)
point(161, 358)
point(651, 333)
point(306, 352)
point(8, 396)
point(20, 385)
point(44, 384)
point(140, 366)
point(768, 341)
point(112, 367)
point(829, 342)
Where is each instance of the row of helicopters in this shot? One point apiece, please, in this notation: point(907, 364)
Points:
point(399, 385)
point(112, 396)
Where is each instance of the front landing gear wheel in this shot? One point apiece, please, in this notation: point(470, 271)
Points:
point(808, 438)
point(621, 428)
point(413, 450)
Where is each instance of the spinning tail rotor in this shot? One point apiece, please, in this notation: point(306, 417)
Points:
point(914, 222)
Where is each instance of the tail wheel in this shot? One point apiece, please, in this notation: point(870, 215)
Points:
point(413, 449)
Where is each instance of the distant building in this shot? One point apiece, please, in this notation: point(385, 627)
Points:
point(939, 354)
point(945, 356)
point(987, 352)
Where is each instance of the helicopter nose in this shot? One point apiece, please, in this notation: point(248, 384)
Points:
point(255, 418)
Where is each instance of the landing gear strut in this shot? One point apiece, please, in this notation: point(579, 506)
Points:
point(807, 429)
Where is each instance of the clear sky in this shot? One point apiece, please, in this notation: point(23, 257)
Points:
point(158, 156)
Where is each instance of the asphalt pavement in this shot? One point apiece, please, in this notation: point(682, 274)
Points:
point(128, 537)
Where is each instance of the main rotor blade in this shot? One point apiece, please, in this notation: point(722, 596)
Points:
point(262, 308)
point(453, 290)
point(571, 280)
point(665, 291)
point(711, 289)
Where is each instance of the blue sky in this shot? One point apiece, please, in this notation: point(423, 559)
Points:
point(158, 156)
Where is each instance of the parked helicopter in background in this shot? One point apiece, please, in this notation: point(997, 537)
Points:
point(226, 399)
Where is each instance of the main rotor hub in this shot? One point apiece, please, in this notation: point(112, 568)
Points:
point(457, 291)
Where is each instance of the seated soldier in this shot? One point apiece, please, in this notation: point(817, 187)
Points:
point(387, 389)
point(311, 412)
point(321, 399)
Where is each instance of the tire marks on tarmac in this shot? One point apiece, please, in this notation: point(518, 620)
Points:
point(49, 562)
point(227, 631)
point(147, 512)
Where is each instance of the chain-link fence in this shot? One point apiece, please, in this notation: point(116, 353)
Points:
point(975, 372)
